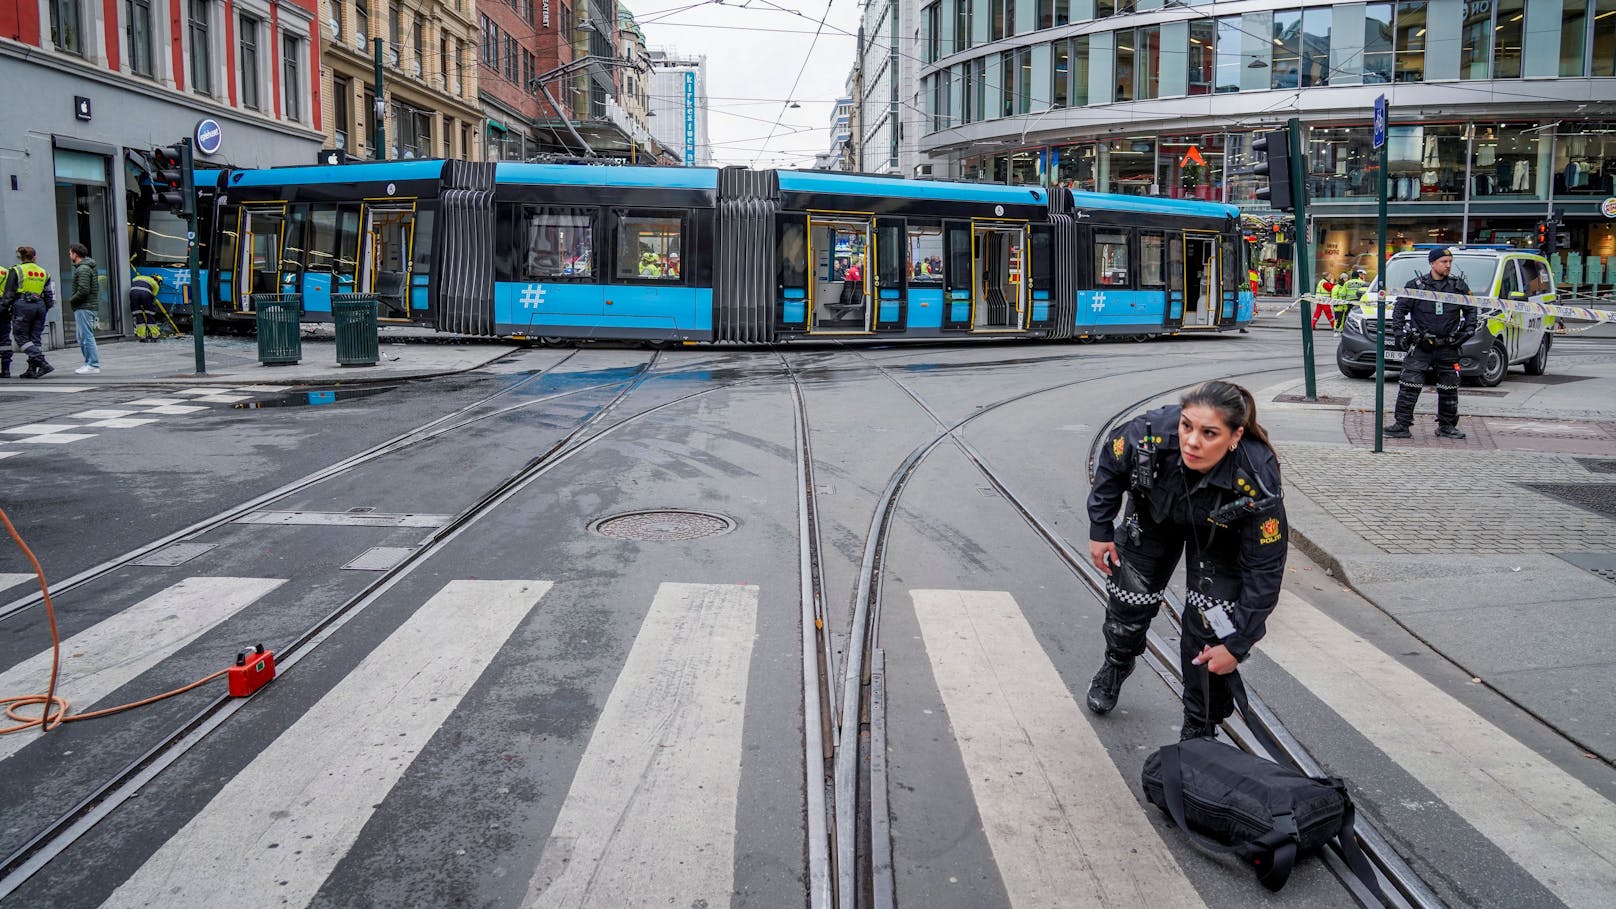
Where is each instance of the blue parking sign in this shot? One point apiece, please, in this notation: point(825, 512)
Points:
point(1380, 121)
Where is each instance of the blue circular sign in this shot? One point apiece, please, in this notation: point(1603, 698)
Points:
point(209, 136)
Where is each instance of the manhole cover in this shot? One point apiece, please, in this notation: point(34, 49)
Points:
point(1599, 498)
point(1598, 465)
point(662, 526)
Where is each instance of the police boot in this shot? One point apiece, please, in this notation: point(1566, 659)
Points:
point(32, 372)
point(1197, 729)
point(39, 370)
point(5, 365)
point(1450, 432)
point(1397, 431)
point(1107, 685)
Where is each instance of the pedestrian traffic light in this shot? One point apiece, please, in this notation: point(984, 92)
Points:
point(1561, 233)
point(1275, 147)
point(172, 187)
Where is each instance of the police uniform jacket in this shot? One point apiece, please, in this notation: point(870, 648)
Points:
point(1248, 545)
point(1453, 324)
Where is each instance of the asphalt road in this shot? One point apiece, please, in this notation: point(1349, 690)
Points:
point(512, 706)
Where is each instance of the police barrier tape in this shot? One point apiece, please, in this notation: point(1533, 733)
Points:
point(1594, 317)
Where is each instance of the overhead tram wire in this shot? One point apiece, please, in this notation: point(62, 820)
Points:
point(829, 4)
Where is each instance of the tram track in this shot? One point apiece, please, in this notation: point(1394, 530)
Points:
point(1399, 883)
point(73, 824)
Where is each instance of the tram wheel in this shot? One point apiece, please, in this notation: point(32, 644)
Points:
point(555, 341)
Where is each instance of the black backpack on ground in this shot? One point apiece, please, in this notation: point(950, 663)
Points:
point(1264, 813)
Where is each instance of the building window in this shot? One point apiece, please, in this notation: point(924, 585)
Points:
point(1316, 45)
point(996, 29)
point(511, 59)
point(1230, 60)
point(529, 72)
point(1203, 56)
point(341, 92)
point(1410, 42)
point(1507, 32)
point(337, 15)
point(490, 43)
point(249, 62)
point(1604, 40)
point(1023, 83)
point(962, 24)
point(65, 26)
point(361, 11)
point(1105, 8)
point(418, 64)
point(1476, 41)
point(1061, 74)
point(1122, 69)
point(1377, 43)
point(1130, 165)
point(1148, 63)
point(1573, 32)
point(201, 46)
point(1080, 71)
point(1585, 164)
point(932, 35)
point(1426, 163)
point(443, 62)
point(1341, 163)
point(1007, 83)
point(138, 26)
point(291, 78)
point(968, 103)
point(1504, 161)
point(1287, 60)
point(395, 27)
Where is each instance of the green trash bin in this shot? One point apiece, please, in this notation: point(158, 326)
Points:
point(280, 342)
point(355, 318)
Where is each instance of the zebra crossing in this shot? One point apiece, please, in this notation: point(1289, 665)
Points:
point(651, 808)
point(66, 430)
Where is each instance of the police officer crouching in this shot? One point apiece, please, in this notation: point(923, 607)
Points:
point(1203, 480)
point(1432, 332)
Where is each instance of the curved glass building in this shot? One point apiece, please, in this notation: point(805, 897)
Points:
point(1502, 113)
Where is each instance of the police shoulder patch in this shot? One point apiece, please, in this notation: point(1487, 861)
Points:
point(1117, 446)
point(1270, 531)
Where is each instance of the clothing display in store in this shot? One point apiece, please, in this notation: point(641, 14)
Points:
point(1522, 181)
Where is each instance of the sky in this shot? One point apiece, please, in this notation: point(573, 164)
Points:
point(761, 56)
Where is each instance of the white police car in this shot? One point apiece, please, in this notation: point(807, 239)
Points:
point(1504, 339)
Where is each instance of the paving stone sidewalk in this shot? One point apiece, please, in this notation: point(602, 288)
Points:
point(1498, 550)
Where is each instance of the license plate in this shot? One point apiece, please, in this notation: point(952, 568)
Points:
point(1394, 356)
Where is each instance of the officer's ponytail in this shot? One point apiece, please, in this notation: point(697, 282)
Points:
point(1233, 402)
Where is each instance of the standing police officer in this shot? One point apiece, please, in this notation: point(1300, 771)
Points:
point(5, 326)
point(1432, 332)
point(29, 294)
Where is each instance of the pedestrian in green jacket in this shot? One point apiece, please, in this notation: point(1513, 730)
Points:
point(84, 299)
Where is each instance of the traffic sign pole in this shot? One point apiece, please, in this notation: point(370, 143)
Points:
point(1304, 249)
point(188, 158)
point(1380, 273)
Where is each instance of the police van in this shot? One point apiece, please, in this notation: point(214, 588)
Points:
point(1503, 338)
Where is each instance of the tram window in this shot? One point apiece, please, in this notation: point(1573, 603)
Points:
point(925, 255)
point(1111, 260)
point(560, 242)
point(292, 250)
point(793, 254)
point(959, 258)
point(1152, 260)
point(323, 238)
point(507, 241)
point(164, 240)
point(889, 255)
point(648, 245)
point(421, 243)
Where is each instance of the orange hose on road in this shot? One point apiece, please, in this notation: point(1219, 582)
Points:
point(53, 709)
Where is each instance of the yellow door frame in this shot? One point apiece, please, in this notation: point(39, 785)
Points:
point(846, 219)
point(1000, 225)
point(372, 246)
point(244, 251)
point(1215, 295)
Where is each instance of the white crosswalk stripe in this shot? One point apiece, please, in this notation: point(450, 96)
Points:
point(107, 655)
point(1063, 824)
point(1555, 827)
point(651, 810)
point(331, 768)
point(12, 579)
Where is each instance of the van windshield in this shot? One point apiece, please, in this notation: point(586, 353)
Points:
point(1476, 270)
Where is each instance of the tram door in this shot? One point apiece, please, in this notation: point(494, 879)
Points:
point(839, 297)
point(999, 278)
point(385, 252)
point(259, 260)
point(1202, 281)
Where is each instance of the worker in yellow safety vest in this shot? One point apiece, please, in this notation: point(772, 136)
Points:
point(30, 296)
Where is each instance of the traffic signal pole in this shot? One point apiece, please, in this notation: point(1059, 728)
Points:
point(188, 162)
point(1304, 250)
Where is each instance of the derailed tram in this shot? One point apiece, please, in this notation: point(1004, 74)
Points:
point(563, 252)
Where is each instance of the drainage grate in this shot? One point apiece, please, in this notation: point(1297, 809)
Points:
point(1599, 498)
point(662, 526)
point(1602, 564)
point(1598, 465)
point(380, 558)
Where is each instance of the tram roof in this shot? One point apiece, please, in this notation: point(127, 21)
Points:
point(802, 181)
point(585, 175)
point(1152, 206)
point(366, 172)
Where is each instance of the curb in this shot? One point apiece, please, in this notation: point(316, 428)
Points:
point(358, 378)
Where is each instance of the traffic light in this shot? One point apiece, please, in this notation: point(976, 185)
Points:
point(1275, 147)
point(1546, 236)
point(1561, 234)
point(172, 187)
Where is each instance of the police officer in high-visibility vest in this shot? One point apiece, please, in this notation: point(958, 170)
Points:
point(1348, 293)
point(5, 326)
point(143, 304)
point(30, 296)
point(1432, 332)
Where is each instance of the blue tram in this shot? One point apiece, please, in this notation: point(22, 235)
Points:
point(566, 251)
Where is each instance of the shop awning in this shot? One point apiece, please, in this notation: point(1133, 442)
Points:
point(496, 125)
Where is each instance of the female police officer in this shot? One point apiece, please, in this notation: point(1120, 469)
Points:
point(1203, 480)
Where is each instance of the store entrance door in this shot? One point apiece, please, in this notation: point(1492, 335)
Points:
point(84, 215)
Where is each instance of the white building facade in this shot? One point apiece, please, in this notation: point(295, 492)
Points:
point(892, 118)
point(678, 103)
